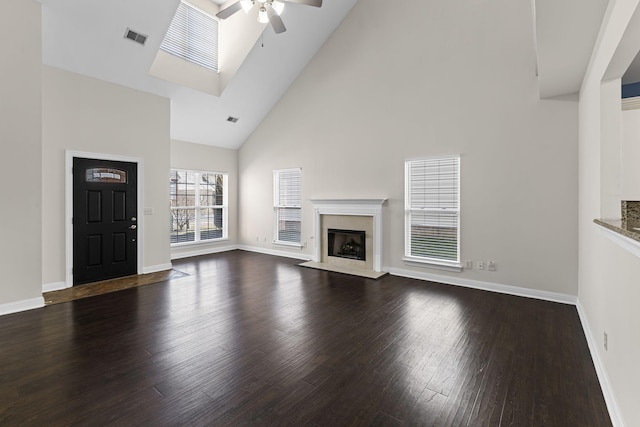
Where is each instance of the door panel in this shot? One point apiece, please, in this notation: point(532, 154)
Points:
point(94, 206)
point(119, 247)
point(94, 250)
point(119, 206)
point(104, 219)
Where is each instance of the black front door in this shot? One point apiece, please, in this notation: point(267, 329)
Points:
point(104, 219)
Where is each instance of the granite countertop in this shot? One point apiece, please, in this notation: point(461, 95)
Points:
point(626, 228)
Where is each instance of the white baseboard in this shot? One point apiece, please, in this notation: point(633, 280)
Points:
point(605, 385)
point(156, 268)
point(23, 305)
point(56, 286)
point(275, 252)
point(486, 286)
point(266, 251)
point(203, 251)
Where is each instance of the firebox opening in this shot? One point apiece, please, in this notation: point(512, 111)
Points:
point(346, 244)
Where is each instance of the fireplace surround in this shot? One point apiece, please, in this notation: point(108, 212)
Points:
point(349, 214)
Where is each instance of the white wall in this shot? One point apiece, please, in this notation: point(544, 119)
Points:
point(20, 139)
point(630, 172)
point(610, 159)
point(84, 114)
point(608, 277)
point(430, 78)
point(185, 155)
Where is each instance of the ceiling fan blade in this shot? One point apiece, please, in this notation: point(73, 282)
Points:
point(225, 13)
point(276, 22)
point(316, 3)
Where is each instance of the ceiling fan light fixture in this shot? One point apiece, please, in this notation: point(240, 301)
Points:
point(263, 18)
point(277, 6)
point(268, 10)
point(246, 5)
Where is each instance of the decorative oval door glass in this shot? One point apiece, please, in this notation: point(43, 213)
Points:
point(109, 175)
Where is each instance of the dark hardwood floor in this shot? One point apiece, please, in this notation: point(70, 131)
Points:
point(251, 339)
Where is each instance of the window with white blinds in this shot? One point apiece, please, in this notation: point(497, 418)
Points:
point(193, 36)
point(287, 206)
point(432, 210)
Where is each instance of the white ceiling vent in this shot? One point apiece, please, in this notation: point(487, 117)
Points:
point(136, 37)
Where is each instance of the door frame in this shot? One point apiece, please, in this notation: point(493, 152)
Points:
point(68, 215)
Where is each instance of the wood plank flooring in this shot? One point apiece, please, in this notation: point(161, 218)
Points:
point(252, 339)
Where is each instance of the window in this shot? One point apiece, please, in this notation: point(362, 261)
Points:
point(432, 216)
point(198, 206)
point(287, 206)
point(193, 36)
point(106, 175)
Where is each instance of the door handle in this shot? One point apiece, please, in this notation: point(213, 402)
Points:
point(133, 227)
point(134, 219)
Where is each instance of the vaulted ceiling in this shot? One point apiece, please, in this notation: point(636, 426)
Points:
point(87, 37)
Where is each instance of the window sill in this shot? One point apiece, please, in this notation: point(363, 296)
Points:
point(288, 244)
point(201, 242)
point(438, 265)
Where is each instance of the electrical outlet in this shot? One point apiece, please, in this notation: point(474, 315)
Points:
point(480, 265)
point(491, 266)
point(468, 264)
point(606, 341)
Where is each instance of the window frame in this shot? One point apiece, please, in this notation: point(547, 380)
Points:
point(197, 207)
point(410, 207)
point(277, 205)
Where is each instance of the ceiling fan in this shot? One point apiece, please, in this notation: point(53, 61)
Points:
point(269, 11)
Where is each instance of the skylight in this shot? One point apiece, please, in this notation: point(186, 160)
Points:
point(193, 36)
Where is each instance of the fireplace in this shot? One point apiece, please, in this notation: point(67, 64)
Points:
point(350, 244)
point(356, 243)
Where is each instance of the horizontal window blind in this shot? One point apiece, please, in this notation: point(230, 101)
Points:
point(193, 36)
point(288, 205)
point(432, 208)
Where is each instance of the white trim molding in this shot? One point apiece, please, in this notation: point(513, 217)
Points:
point(485, 286)
point(605, 385)
point(68, 178)
point(56, 286)
point(274, 252)
point(355, 207)
point(156, 268)
point(202, 251)
point(22, 305)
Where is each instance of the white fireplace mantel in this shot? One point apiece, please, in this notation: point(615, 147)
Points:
point(356, 207)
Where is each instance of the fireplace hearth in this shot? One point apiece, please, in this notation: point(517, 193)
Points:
point(348, 244)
